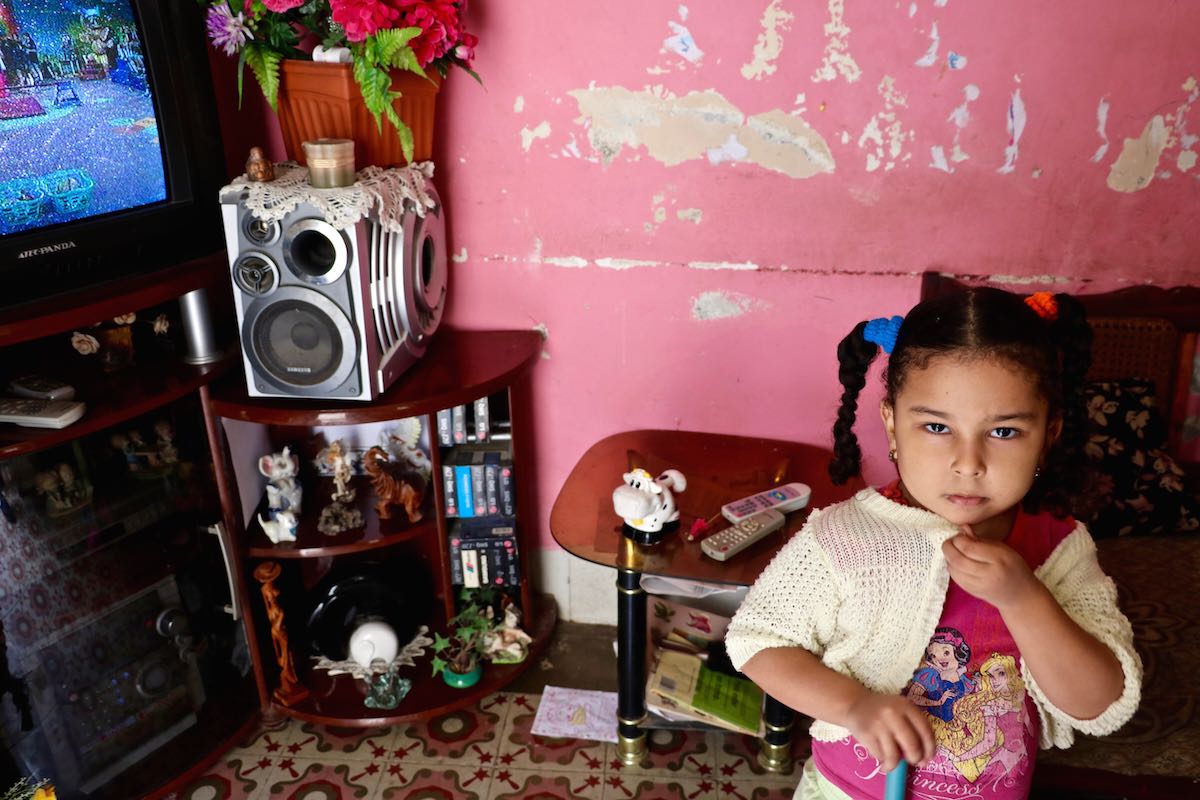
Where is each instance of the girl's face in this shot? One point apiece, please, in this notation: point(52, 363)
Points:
point(969, 433)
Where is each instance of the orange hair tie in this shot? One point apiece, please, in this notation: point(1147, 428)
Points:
point(1044, 304)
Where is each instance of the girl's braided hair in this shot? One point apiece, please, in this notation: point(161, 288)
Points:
point(992, 323)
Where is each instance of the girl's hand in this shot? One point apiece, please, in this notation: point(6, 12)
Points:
point(991, 571)
point(891, 728)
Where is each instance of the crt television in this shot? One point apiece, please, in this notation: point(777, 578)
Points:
point(110, 155)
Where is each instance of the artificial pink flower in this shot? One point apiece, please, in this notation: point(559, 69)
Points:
point(280, 6)
point(362, 18)
point(440, 24)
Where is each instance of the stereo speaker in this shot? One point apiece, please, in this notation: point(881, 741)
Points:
point(334, 313)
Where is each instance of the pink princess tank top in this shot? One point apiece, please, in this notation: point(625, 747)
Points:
point(969, 684)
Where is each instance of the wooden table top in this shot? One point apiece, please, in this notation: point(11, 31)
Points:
point(718, 467)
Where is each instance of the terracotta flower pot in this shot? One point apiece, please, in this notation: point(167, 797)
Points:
point(321, 100)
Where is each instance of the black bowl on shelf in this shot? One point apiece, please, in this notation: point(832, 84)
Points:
point(398, 592)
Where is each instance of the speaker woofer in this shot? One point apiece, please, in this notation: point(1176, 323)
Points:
point(315, 251)
point(301, 340)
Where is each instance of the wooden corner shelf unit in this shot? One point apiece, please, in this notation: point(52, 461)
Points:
point(458, 368)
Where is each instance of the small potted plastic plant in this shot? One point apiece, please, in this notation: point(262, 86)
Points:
point(459, 657)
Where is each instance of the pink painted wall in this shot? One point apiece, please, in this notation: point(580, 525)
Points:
point(696, 234)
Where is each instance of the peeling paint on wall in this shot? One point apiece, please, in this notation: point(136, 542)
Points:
point(625, 263)
point(956, 60)
point(519, 104)
point(931, 55)
point(693, 215)
point(542, 131)
point(884, 131)
point(1016, 126)
point(739, 266)
point(837, 59)
point(681, 42)
point(460, 257)
point(961, 117)
point(723, 305)
point(769, 44)
point(699, 125)
point(1134, 168)
point(1102, 129)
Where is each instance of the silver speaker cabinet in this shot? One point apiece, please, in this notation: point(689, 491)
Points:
point(334, 313)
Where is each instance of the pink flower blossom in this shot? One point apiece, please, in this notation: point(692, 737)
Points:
point(280, 6)
point(362, 18)
point(441, 28)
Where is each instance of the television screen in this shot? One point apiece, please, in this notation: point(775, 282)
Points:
point(79, 135)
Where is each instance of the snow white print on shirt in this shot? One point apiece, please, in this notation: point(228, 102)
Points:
point(981, 722)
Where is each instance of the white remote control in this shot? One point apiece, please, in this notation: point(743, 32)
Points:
point(789, 497)
point(30, 413)
point(736, 538)
point(41, 388)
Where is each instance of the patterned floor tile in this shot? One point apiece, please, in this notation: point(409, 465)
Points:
point(310, 779)
point(737, 759)
point(686, 752)
point(521, 750)
point(236, 776)
point(750, 790)
point(269, 739)
point(468, 737)
point(520, 783)
point(344, 744)
point(658, 787)
point(413, 781)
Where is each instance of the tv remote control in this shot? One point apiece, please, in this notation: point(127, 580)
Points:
point(30, 413)
point(789, 497)
point(41, 387)
point(736, 538)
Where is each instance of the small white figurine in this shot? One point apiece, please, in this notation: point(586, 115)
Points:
point(403, 444)
point(508, 644)
point(647, 504)
point(283, 490)
point(373, 640)
point(339, 462)
point(165, 434)
point(280, 529)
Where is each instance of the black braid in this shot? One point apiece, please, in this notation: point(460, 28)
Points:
point(1065, 473)
point(854, 358)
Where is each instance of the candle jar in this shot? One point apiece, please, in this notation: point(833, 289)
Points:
point(330, 162)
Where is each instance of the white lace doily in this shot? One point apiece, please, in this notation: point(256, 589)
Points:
point(406, 658)
point(384, 191)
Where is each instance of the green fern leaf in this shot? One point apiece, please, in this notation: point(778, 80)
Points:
point(264, 64)
point(387, 47)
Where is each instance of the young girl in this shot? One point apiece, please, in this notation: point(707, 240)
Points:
point(985, 421)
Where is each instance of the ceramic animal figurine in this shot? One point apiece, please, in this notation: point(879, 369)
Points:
point(283, 490)
point(280, 529)
point(647, 503)
point(404, 444)
point(395, 484)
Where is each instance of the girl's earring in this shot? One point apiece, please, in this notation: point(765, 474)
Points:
point(1037, 473)
point(892, 457)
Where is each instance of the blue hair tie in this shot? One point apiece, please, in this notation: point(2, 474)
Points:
point(883, 332)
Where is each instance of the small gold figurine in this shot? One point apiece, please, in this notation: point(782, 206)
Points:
point(258, 167)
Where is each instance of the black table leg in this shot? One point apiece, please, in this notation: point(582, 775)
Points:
point(631, 666)
point(775, 749)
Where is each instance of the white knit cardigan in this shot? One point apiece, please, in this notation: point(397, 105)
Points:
point(861, 586)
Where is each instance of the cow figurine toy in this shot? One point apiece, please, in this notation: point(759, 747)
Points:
point(284, 491)
point(647, 504)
